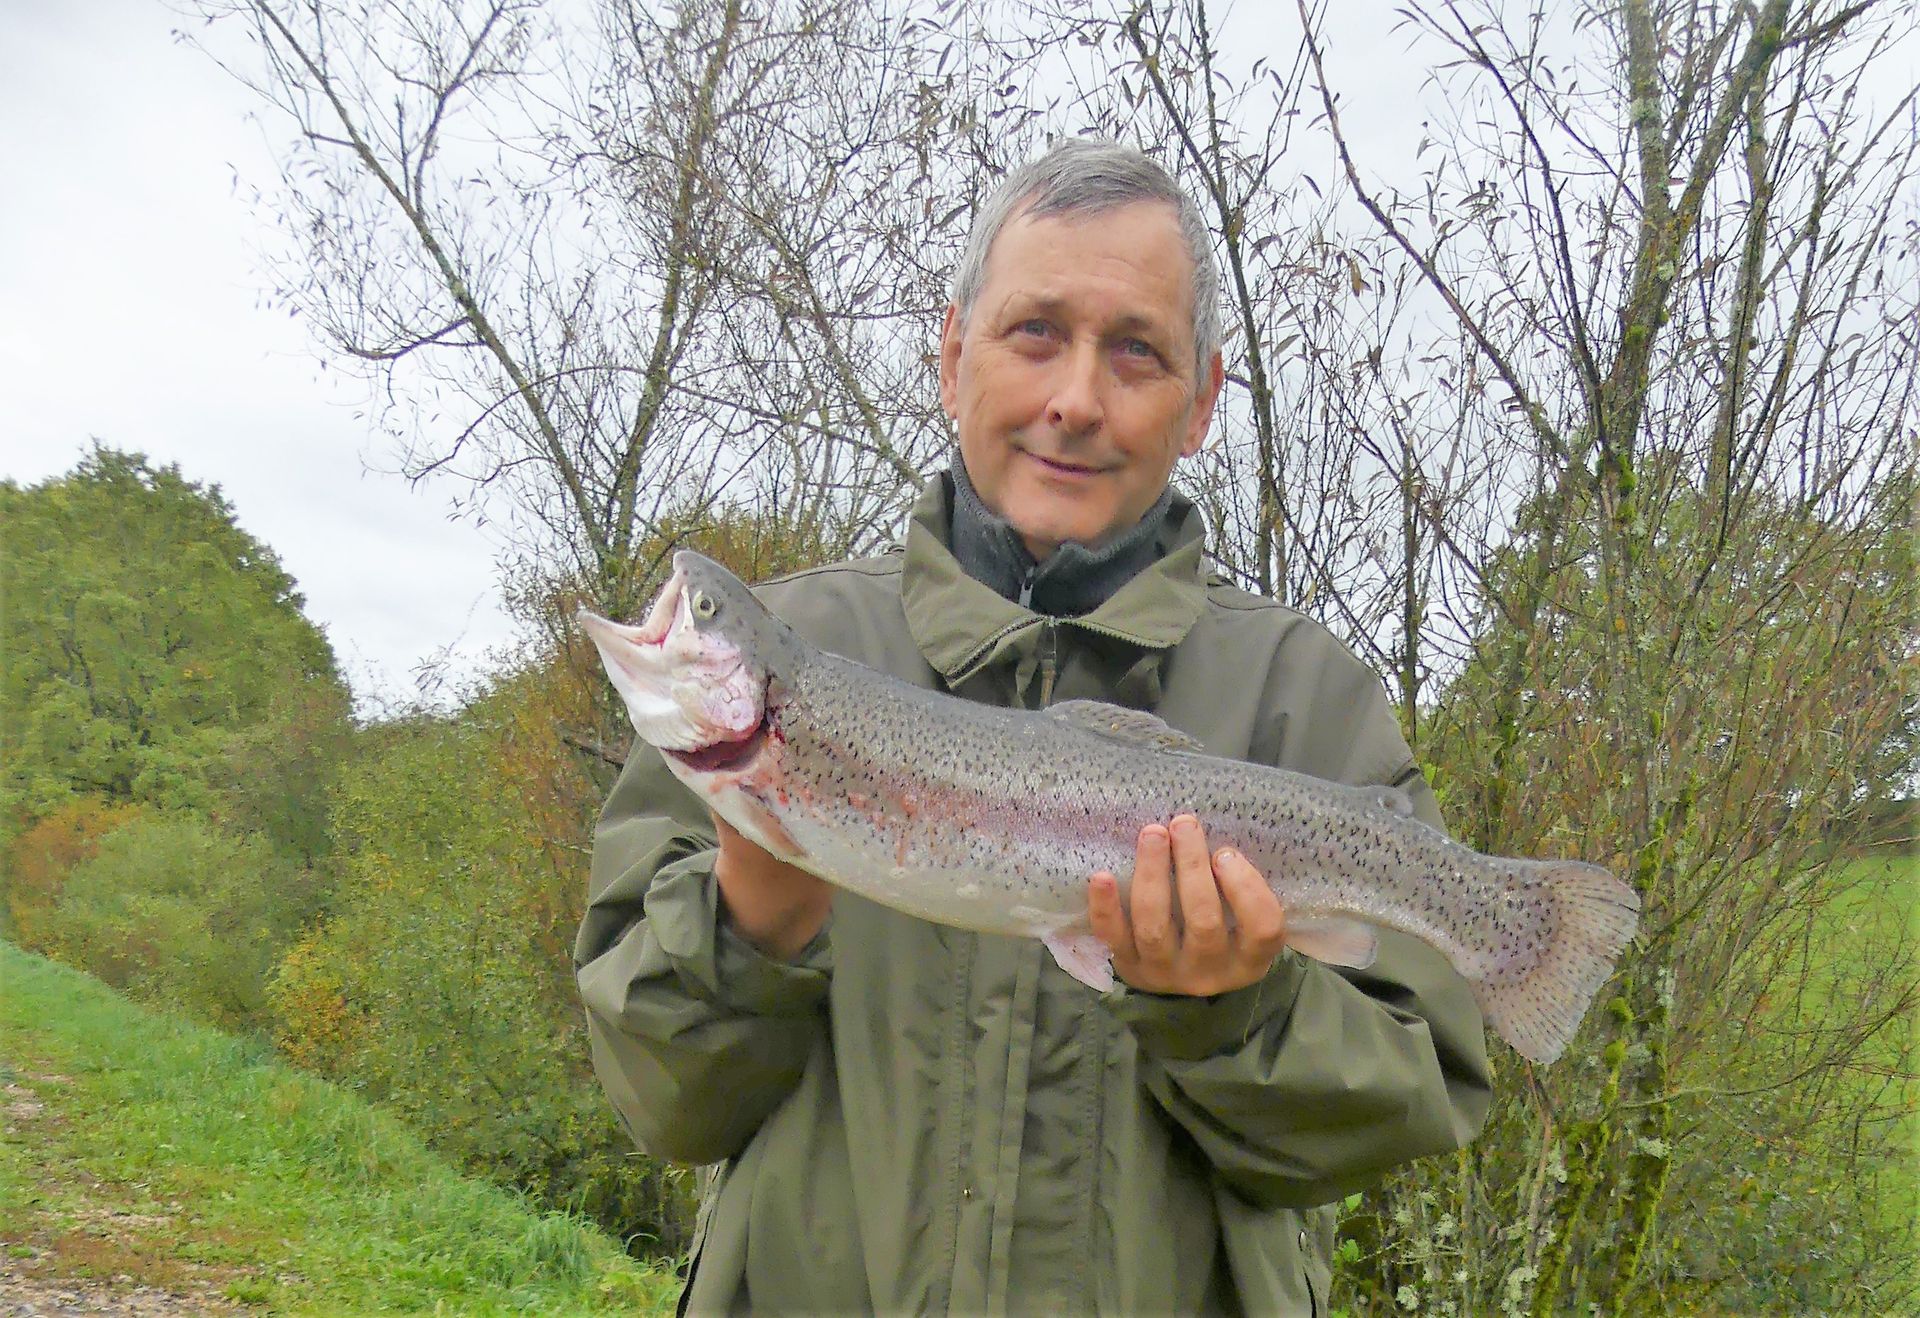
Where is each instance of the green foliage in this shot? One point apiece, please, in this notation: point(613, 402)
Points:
point(155, 652)
point(298, 1196)
point(168, 722)
point(35, 863)
point(271, 777)
point(172, 729)
point(170, 909)
point(1808, 1201)
point(1703, 716)
point(441, 983)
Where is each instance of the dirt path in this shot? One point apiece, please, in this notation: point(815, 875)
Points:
point(37, 1250)
point(23, 1295)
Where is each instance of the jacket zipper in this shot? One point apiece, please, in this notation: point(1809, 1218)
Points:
point(1115, 634)
point(964, 669)
point(1049, 642)
point(1049, 660)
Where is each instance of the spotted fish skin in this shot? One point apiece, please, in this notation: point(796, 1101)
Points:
point(993, 820)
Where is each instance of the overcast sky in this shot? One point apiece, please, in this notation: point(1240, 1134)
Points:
point(130, 312)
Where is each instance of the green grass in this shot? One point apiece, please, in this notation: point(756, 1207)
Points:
point(1870, 897)
point(138, 1145)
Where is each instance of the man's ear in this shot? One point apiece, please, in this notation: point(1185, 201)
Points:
point(951, 333)
point(1203, 400)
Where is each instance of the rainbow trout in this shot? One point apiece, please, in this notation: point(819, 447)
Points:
point(994, 819)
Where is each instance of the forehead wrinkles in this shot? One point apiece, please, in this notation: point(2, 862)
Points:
point(1034, 262)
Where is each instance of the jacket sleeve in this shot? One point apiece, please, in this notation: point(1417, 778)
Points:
point(695, 1035)
point(1312, 1083)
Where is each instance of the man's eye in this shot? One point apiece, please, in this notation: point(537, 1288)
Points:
point(1139, 348)
point(1037, 327)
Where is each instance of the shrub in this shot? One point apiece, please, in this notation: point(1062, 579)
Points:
point(170, 909)
point(440, 983)
point(41, 856)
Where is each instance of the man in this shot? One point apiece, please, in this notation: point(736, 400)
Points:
point(909, 1117)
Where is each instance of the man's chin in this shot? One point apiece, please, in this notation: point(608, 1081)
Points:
point(1043, 533)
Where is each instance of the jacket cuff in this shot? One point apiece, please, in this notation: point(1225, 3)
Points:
point(1176, 1028)
point(719, 966)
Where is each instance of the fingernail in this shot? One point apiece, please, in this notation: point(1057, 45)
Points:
point(1225, 856)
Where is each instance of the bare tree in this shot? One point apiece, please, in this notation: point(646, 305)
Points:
point(1598, 437)
point(611, 262)
point(1677, 249)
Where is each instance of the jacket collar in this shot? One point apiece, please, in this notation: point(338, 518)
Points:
point(961, 625)
point(1073, 579)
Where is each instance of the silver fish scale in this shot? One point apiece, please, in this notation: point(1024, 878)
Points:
point(994, 819)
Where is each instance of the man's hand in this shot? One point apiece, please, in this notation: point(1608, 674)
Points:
point(1198, 955)
point(773, 905)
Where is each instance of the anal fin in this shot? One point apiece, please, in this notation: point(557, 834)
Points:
point(1081, 953)
point(1334, 939)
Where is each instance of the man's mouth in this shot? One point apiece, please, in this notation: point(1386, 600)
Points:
point(1062, 466)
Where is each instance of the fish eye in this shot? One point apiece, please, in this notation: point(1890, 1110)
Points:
point(703, 605)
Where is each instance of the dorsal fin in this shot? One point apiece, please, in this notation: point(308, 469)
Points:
point(1129, 727)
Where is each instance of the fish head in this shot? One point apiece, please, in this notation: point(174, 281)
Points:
point(696, 671)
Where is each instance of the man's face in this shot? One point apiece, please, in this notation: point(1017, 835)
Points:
point(1073, 383)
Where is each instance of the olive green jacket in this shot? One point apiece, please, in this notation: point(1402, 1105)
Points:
point(912, 1118)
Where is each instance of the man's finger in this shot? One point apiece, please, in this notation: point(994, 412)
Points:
point(1204, 932)
point(1109, 918)
point(1259, 921)
point(1154, 938)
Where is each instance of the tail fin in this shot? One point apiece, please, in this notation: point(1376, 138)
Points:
point(1589, 917)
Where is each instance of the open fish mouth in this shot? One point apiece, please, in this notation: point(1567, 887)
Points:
point(725, 756)
point(669, 609)
point(687, 689)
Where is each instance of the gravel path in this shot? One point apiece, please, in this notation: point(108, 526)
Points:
point(26, 1289)
point(23, 1295)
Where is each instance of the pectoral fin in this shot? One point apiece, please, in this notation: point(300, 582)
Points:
point(1333, 939)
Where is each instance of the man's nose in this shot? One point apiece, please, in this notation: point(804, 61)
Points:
point(1076, 407)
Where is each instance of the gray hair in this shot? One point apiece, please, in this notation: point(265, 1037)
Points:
point(1090, 176)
